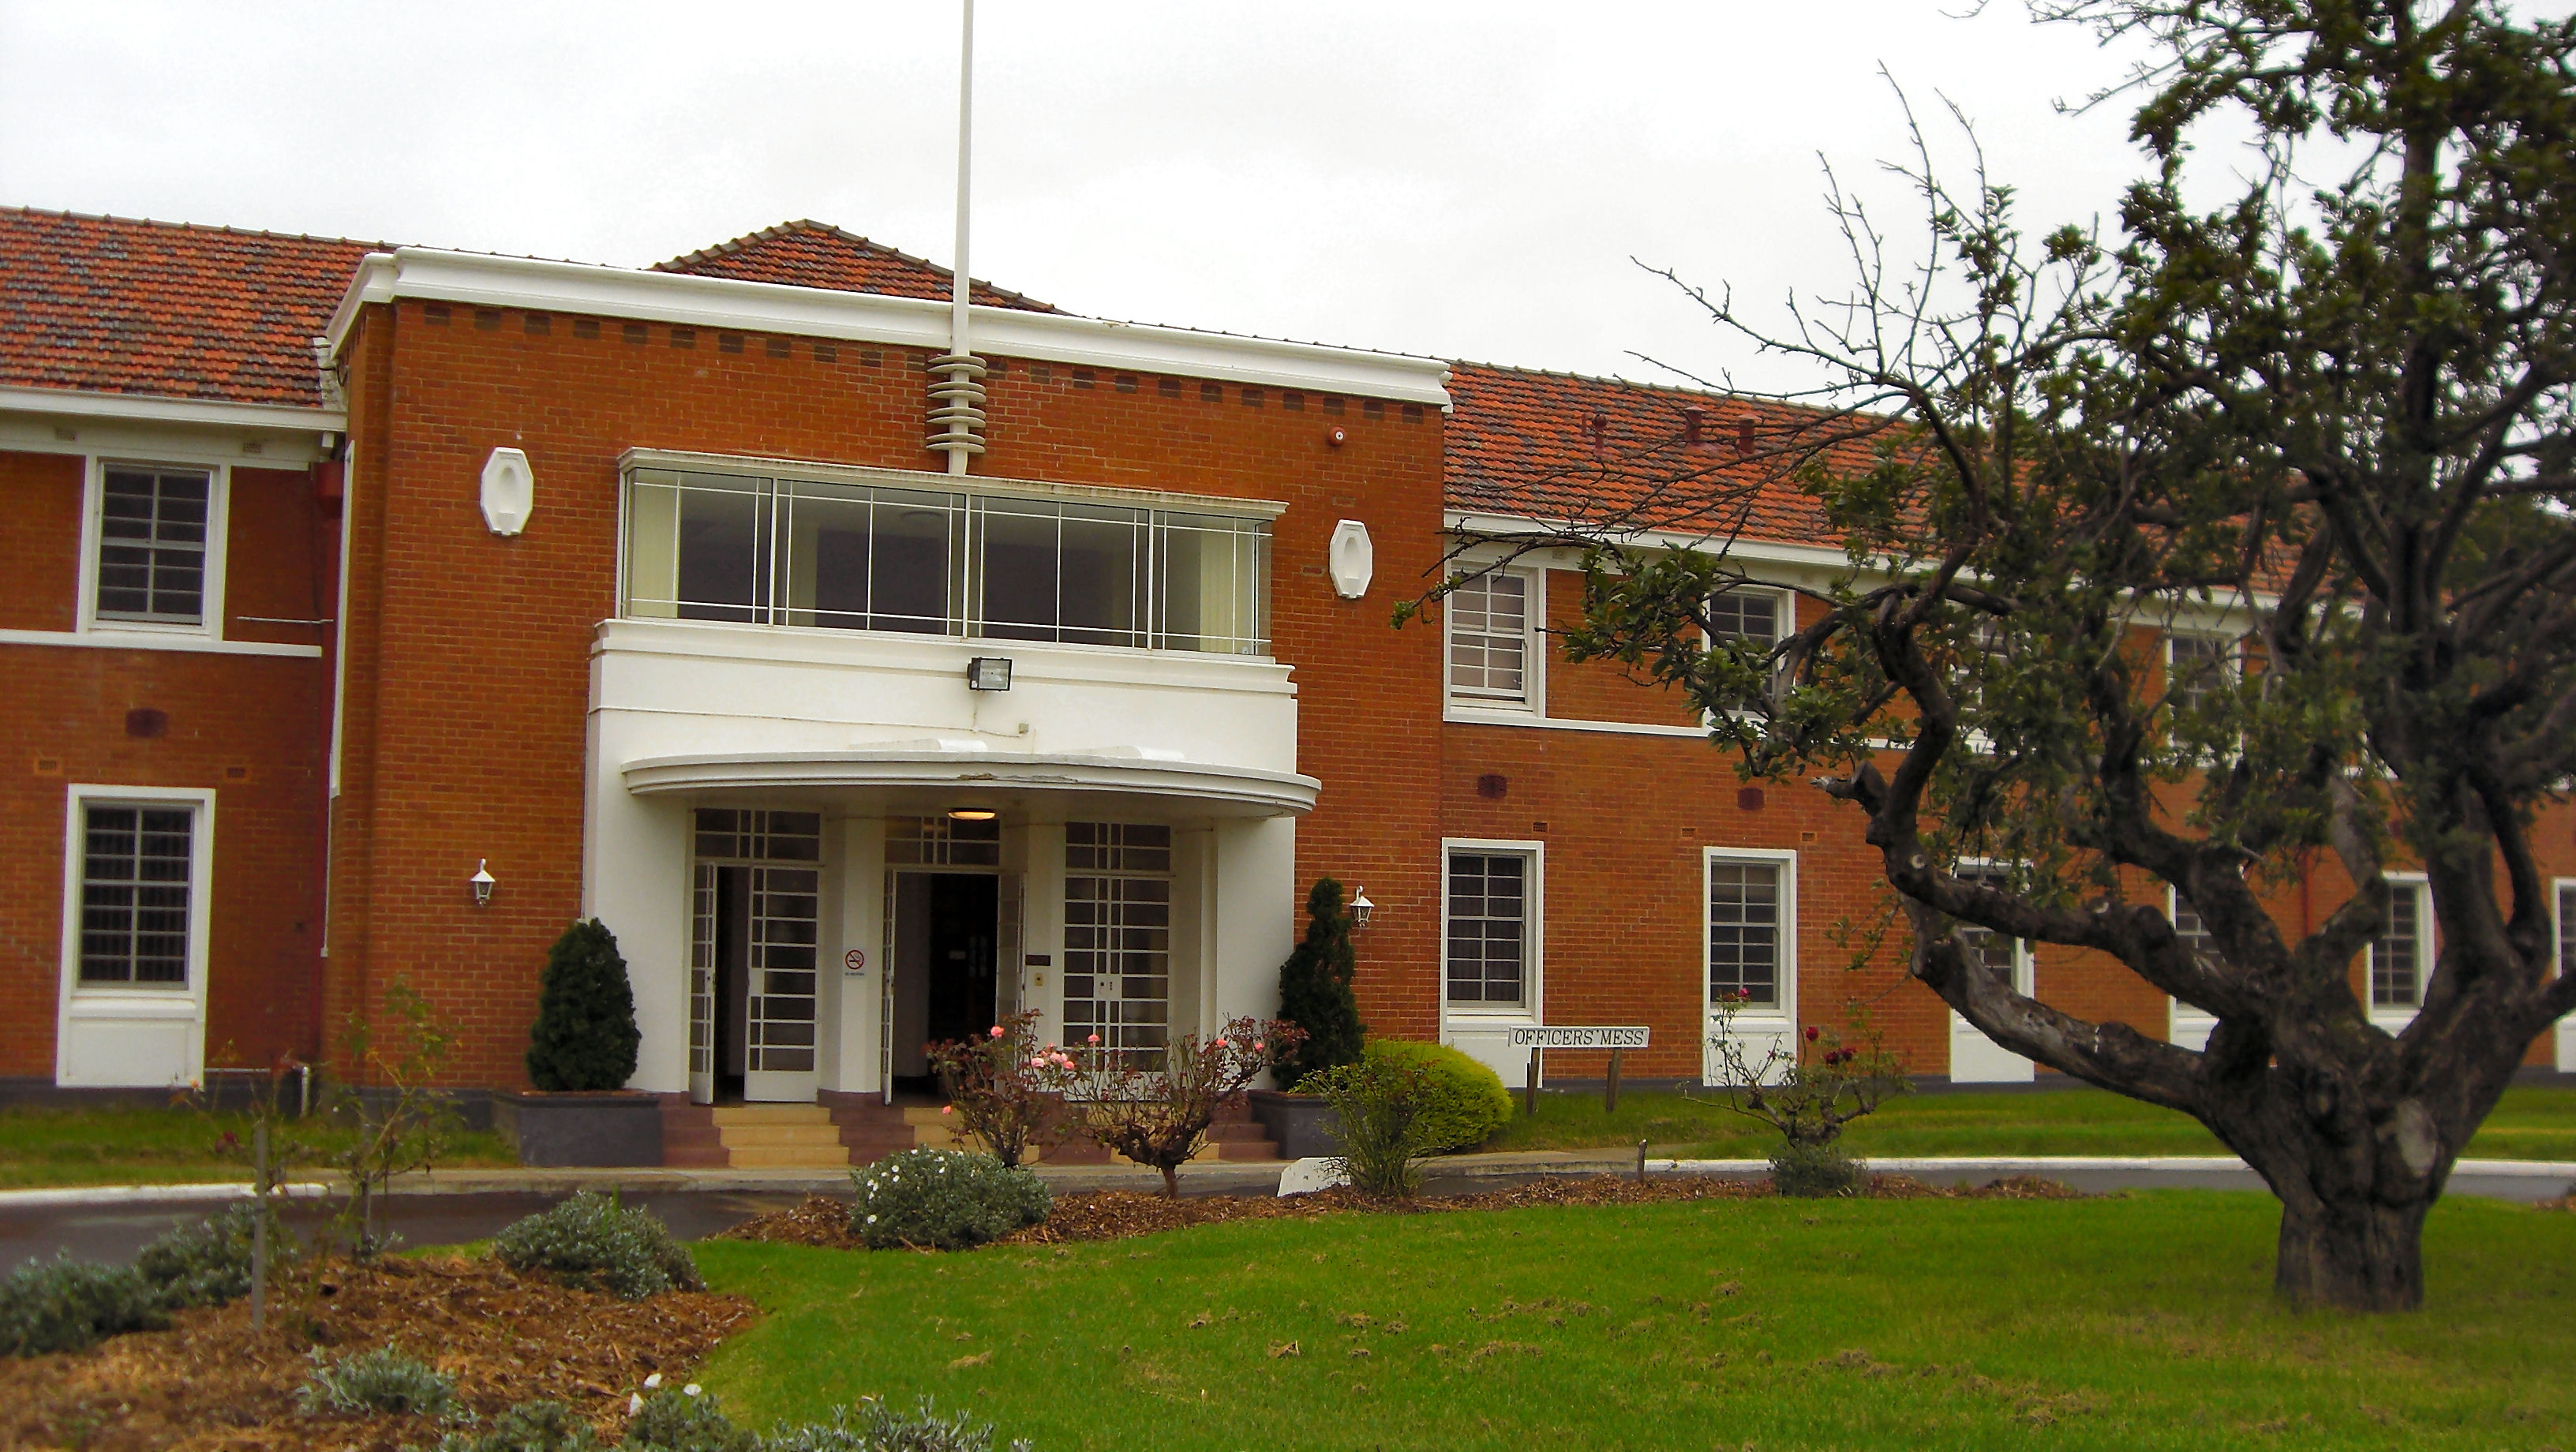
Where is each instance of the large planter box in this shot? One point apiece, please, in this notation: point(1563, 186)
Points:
point(1301, 1124)
point(617, 1127)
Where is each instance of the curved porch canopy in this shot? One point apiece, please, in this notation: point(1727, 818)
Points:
point(928, 777)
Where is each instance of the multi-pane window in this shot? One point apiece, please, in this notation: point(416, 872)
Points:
point(1118, 936)
point(943, 842)
point(2197, 667)
point(764, 551)
point(1744, 933)
point(1489, 638)
point(1751, 616)
point(1489, 927)
point(2566, 931)
point(2397, 954)
point(152, 545)
point(2189, 927)
point(754, 836)
point(1995, 950)
point(135, 871)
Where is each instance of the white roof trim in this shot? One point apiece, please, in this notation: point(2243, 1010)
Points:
point(1263, 793)
point(761, 307)
point(155, 408)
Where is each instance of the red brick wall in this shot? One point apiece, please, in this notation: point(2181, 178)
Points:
point(40, 550)
point(1599, 690)
point(469, 654)
point(245, 727)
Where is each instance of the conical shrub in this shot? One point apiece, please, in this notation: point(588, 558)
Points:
point(585, 1033)
point(1315, 988)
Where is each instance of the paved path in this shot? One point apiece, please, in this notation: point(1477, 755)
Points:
point(453, 1206)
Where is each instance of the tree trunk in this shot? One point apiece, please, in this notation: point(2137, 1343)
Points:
point(2353, 1253)
point(1171, 1181)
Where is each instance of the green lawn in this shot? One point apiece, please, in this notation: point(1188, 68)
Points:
point(138, 1144)
point(2139, 1322)
point(2532, 1123)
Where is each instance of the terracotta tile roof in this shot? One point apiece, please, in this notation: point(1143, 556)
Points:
point(1600, 451)
point(817, 254)
point(115, 305)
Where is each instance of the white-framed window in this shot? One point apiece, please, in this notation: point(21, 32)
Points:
point(1493, 619)
point(1749, 910)
point(1118, 936)
point(850, 554)
point(137, 875)
point(1490, 921)
point(2198, 667)
point(2008, 956)
point(1756, 615)
point(2401, 957)
point(2566, 926)
point(152, 550)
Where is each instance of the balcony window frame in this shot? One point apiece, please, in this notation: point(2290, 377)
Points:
point(961, 620)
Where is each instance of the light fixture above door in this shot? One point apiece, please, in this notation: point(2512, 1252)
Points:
point(972, 814)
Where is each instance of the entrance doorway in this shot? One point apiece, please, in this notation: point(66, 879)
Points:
point(754, 935)
point(947, 960)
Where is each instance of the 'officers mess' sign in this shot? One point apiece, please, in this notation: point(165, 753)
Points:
point(1596, 1037)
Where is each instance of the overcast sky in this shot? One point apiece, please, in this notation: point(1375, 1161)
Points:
point(1466, 181)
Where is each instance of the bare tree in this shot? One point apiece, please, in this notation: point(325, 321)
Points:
point(2331, 421)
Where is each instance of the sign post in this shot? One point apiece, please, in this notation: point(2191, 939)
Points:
point(1539, 1038)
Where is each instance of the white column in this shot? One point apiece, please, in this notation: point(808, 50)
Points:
point(635, 879)
point(849, 1028)
point(1255, 886)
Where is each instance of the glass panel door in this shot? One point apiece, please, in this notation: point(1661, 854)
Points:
point(778, 1061)
point(702, 984)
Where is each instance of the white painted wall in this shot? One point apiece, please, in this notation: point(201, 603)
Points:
point(664, 689)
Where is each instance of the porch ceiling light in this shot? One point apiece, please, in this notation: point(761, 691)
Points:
point(972, 814)
point(989, 673)
point(482, 881)
point(1361, 908)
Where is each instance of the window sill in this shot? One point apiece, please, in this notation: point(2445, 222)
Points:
point(190, 642)
point(1459, 714)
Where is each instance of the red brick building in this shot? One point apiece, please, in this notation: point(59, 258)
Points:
point(371, 612)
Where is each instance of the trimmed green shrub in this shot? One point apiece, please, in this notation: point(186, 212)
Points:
point(685, 1419)
point(528, 1427)
point(592, 1243)
point(1467, 1101)
point(585, 1035)
point(1813, 1171)
point(383, 1380)
point(65, 1304)
point(935, 1199)
point(1381, 1107)
point(871, 1427)
point(1315, 988)
point(205, 1264)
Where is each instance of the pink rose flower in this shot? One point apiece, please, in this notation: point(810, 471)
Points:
point(948, 1109)
point(997, 1031)
point(1093, 1039)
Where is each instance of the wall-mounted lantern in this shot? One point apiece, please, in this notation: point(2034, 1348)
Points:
point(483, 882)
point(1361, 908)
point(989, 673)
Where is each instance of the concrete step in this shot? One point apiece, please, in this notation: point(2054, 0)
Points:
point(732, 1114)
point(776, 1136)
point(789, 1157)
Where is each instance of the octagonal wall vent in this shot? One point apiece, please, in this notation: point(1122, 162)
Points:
point(509, 491)
point(1351, 559)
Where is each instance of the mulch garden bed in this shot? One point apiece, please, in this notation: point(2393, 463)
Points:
point(1114, 1214)
point(208, 1383)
